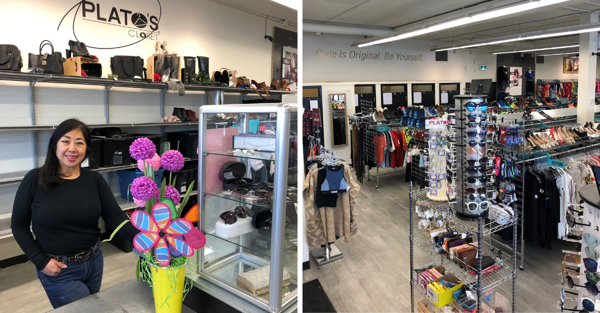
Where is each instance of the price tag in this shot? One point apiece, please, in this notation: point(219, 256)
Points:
point(262, 128)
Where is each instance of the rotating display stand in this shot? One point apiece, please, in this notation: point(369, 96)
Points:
point(469, 222)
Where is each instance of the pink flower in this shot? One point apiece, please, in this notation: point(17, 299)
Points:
point(172, 160)
point(171, 193)
point(142, 148)
point(139, 203)
point(143, 188)
point(154, 161)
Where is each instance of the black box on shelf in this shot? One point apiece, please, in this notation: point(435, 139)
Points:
point(188, 143)
point(184, 179)
point(115, 151)
point(96, 156)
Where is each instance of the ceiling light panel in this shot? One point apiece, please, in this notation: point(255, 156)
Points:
point(479, 17)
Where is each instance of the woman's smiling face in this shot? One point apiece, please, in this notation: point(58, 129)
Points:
point(70, 150)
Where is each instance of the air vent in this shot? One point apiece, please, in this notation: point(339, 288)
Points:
point(344, 1)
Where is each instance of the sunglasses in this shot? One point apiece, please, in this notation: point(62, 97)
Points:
point(471, 106)
point(477, 180)
point(483, 123)
point(571, 221)
point(477, 197)
point(231, 217)
point(474, 144)
point(474, 134)
point(476, 170)
point(473, 190)
point(590, 287)
point(474, 206)
point(474, 116)
point(483, 160)
point(592, 253)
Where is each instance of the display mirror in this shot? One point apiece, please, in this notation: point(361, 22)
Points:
point(338, 120)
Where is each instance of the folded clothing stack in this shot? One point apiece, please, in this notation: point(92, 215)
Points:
point(257, 281)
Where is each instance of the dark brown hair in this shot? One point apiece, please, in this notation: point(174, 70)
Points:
point(50, 172)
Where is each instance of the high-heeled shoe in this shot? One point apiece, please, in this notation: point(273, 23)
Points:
point(529, 138)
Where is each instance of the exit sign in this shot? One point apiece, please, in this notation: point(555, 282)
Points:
point(482, 67)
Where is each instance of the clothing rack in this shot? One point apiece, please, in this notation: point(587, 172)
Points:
point(331, 252)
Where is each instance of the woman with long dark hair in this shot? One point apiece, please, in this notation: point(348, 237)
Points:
point(63, 203)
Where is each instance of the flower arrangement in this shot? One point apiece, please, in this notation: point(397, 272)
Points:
point(166, 239)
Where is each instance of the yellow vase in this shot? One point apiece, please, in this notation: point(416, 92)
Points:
point(163, 288)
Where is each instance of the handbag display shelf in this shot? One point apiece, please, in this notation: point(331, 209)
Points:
point(468, 271)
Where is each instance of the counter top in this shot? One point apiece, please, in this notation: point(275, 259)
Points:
point(589, 194)
point(130, 296)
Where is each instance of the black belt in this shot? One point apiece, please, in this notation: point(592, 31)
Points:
point(78, 258)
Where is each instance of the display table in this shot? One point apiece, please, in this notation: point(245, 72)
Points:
point(130, 296)
point(589, 194)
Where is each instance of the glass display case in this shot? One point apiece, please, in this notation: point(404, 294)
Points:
point(247, 196)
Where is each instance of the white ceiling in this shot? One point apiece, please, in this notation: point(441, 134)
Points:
point(265, 7)
point(390, 14)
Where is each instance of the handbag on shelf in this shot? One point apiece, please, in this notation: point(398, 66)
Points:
point(127, 67)
point(10, 58)
point(50, 62)
point(78, 48)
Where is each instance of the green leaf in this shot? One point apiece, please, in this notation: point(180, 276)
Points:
point(171, 206)
point(137, 269)
point(174, 180)
point(115, 231)
point(185, 199)
point(162, 189)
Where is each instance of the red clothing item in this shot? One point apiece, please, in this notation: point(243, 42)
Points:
point(379, 144)
point(397, 145)
point(402, 148)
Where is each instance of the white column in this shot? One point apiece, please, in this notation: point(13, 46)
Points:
point(588, 43)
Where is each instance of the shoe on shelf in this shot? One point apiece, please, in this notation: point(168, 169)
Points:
point(431, 112)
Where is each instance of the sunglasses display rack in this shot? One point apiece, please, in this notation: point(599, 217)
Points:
point(467, 173)
point(579, 271)
point(420, 142)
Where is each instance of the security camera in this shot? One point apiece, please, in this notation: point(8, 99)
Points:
point(269, 37)
point(319, 34)
point(522, 54)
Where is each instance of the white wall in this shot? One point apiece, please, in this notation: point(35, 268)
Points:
point(552, 69)
point(229, 37)
point(461, 66)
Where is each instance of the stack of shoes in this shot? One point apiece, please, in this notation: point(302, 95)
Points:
point(170, 119)
point(185, 115)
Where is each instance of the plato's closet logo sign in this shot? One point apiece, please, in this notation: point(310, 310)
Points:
point(112, 24)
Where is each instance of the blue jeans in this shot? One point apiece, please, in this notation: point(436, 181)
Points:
point(77, 281)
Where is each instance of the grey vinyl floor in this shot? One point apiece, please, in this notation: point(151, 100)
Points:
point(374, 274)
point(22, 292)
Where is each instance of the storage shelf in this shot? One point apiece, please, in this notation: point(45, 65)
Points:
point(52, 127)
point(488, 282)
point(265, 156)
point(464, 226)
point(94, 81)
point(17, 177)
point(259, 251)
point(243, 199)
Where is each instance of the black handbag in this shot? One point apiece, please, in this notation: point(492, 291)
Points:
point(50, 62)
point(78, 48)
point(10, 58)
point(127, 67)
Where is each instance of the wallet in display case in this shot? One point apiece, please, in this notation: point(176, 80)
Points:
point(257, 281)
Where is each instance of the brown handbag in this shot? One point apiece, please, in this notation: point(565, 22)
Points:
point(245, 81)
point(468, 256)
